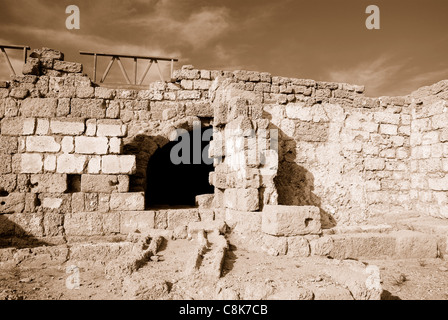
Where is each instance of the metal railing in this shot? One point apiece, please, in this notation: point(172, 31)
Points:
point(117, 57)
point(5, 55)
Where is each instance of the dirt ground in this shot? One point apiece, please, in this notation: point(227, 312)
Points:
point(246, 275)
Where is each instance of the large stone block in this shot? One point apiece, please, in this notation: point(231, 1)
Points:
point(91, 145)
point(291, 220)
point(111, 128)
point(71, 163)
point(18, 126)
point(274, 246)
point(127, 201)
point(104, 183)
point(119, 164)
point(8, 182)
point(368, 245)
point(28, 224)
point(67, 127)
point(415, 245)
point(133, 221)
point(30, 163)
point(13, 203)
point(298, 247)
point(39, 107)
point(181, 218)
point(48, 183)
point(71, 67)
point(205, 201)
point(88, 108)
point(83, 224)
point(5, 163)
point(42, 144)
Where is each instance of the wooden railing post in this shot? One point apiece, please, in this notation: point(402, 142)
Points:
point(118, 58)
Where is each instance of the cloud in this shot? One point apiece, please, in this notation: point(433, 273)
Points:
point(204, 26)
point(376, 74)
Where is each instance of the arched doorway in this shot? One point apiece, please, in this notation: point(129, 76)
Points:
point(179, 171)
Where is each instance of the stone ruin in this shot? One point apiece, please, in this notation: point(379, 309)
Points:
point(351, 176)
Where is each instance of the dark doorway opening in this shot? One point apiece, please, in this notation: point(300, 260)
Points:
point(173, 185)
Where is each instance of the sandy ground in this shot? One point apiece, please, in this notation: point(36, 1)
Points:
point(246, 275)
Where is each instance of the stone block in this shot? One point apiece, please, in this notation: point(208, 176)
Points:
point(19, 93)
point(42, 127)
point(28, 224)
point(78, 200)
point(94, 166)
point(298, 247)
point(88, 108)
point(48, 183)
point(91, 202)
point(53, 224)
point(388, 129)
point(230, 198)
point(205, 201)
point(47, 53)
point(111, 128)
point(415, 245)
point(67, 127)
point(91, 145)
point(50, 163)
point(71, 67)
point(85, 92)
point(127, 201)
point(39, 107)
point(367, 245)
point(15, 127)
point(387, 117)
point(118, 164)
point(104, 93)
point(104, 183)
point(181, 218)
point(67, 145)
point(438, 184)
point(291, 220)
point(83, 224)
point(5, 163)
point(12, 203)
point(115, 145)
point(248, 199)
point(8, 182)
point(30, 163)
point(71, 163)
point(274, 246)
point(374, 164)
point(136, 221)
point(8, 145)
point(31, 67)
point(91, 127)
point(42, 144)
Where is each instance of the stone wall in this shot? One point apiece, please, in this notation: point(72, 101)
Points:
point(68, 146)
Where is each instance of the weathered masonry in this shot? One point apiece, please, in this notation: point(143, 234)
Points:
point(74, 156)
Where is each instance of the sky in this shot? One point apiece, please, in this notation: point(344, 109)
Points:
point(324, 40)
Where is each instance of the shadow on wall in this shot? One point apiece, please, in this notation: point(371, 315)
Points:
point(14, 236)
point(294, 183)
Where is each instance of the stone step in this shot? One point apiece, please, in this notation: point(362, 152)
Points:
point(403, 244)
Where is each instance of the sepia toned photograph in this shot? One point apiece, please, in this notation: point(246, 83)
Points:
point(211, 153)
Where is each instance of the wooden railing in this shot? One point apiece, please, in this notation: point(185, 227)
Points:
point(117, 57)
point(5, 55)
